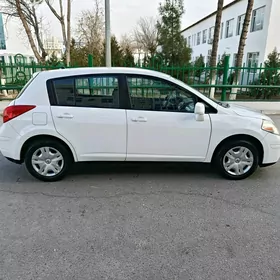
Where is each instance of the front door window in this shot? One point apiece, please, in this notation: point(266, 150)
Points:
point(152, 94)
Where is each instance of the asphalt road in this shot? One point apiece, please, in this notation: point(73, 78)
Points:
point(139, 221)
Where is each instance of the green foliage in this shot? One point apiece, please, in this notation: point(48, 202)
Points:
point(116, 53)
point(174, 49)
point(199, 66)
point(270, 76)
point(78, 54)
point(128, 58)
point(53, 60)
point(221, 65)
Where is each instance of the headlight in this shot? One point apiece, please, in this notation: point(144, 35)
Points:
point(270, 127)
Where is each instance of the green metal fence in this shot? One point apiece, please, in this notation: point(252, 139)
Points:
point(256, 83)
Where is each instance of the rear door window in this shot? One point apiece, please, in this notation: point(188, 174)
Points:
point(98, 91)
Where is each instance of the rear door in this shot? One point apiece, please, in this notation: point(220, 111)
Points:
point(87, 111)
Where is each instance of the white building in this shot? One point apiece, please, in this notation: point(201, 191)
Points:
point(262, 38)
point(55, 46)
point(12, 43)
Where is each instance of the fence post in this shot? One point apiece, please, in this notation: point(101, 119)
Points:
point(90, 60)
point(225, 77)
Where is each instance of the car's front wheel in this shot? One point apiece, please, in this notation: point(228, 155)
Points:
point(237, 160)
point(48, 160)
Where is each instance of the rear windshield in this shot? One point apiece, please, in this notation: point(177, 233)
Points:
point(27, 84)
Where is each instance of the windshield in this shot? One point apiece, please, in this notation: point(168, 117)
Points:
point(221, 103)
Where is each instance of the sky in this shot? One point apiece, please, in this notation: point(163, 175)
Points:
point(125, 13)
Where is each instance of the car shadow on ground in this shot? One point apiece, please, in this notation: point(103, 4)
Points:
point(142, 168)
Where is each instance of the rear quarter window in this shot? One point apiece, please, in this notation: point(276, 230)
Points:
point(35, 75)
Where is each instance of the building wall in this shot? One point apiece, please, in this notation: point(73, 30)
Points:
point(16, 41)
point(256, 41)
point(2, 34)
point(273, 38)
point(55, 46)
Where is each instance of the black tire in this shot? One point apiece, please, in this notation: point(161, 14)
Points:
point(220, 157)
point(53, 144)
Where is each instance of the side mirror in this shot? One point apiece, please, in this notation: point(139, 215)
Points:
point(199, 111)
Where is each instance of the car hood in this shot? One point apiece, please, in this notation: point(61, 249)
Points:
point(248, 112)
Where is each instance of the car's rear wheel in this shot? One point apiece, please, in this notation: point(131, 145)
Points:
point(237, 160)
point(48, 160)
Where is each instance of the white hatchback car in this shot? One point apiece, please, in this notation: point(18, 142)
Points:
point(124, 114)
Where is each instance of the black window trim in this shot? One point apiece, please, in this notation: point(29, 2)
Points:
point(211, 109)
point(123, 100)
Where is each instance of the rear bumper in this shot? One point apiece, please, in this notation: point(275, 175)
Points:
point(271, 146)
point(9, 142)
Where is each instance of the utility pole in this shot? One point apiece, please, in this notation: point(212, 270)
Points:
point(108, 33)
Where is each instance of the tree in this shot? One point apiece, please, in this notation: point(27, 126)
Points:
point(68, 43)
point(90, 31)
point(241, 46)
point(127, 41)
point(66, 31)
point(215, 45)
point(116, 51)
point(78, 53)
point(53, 60)
point(270, 77)
point(220, 66)
point(174, 49)
point(199, 66)
point(128, 58)
point(146, 35)
point(26, 11)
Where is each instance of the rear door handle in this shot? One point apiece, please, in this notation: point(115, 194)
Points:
point(139, 119)
point(65, 116)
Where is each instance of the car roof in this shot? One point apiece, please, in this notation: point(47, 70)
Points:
point(59, 73)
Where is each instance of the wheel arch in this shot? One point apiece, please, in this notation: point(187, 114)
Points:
point(32, 139)
point(256, 142)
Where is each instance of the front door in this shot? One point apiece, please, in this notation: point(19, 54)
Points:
point(161, 122)
point(87, 113)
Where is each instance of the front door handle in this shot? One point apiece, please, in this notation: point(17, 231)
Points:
point(65, 116)
point(139, 119)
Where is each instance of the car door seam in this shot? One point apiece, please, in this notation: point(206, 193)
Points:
point(210, 138)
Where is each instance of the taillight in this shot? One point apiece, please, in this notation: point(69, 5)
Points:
point(14, 111)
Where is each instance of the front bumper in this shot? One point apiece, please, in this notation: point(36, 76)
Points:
point(271, 146)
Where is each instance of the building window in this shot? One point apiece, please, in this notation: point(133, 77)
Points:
point(229, 28)
point(234, 62)
point(198, 38)
point(189, 41)
point(194, 40)
point(240, 22)
point(204, 36)
point(253, 61)
point(211, 34)
point(257, 19)
point(222, 30)
point(209, 56)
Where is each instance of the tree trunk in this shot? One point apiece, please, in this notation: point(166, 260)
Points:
point(60, 18)
point(213, 60)
point(38, 36)
point(28, 31)
point(62, 22)
point(241, 46)
point(68, 43)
